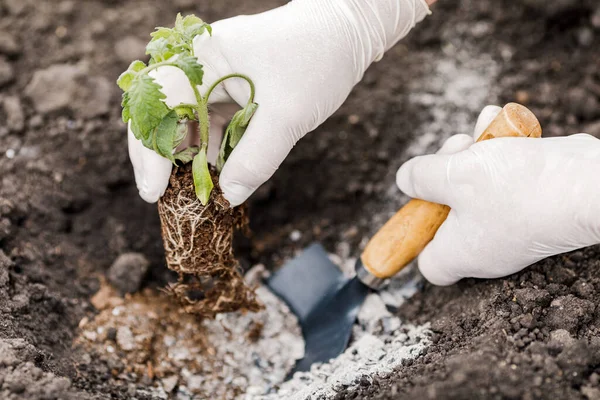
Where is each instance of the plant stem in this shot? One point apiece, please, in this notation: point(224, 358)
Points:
point(246, 78)
point(186, 105)
point(154, 66)
point(203, 122)
point(202, 106)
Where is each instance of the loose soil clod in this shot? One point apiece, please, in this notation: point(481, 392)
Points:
point(198, 245)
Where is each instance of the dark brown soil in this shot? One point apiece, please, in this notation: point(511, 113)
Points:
point(69, 206)
point(534, 335)
point(198, 243)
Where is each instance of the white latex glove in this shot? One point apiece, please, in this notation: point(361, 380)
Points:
point(514, 201)
point(304, 59)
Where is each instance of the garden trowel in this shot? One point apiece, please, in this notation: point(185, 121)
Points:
point(327, 304)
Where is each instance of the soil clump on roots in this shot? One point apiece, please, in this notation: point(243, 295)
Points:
point(198, 246)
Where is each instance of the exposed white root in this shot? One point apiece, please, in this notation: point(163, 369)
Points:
point(179, 242)
point(198, 246)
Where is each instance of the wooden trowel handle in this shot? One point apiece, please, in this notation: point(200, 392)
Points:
point(407, 233)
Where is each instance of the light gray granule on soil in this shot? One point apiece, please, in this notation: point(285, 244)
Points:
point(381, 342)
point(367, 357)
point(192, 359)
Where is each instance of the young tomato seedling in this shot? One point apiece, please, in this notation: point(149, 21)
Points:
point(162, 128)
point(197, 223)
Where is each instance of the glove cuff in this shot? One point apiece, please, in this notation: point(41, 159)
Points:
point(379, 25)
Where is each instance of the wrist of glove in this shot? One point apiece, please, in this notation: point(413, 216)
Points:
point(304, 59)
point(375, 25)
point(514, 201)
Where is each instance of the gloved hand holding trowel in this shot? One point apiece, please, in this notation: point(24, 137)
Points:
point(513, 201)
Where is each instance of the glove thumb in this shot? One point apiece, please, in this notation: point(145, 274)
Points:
point(257, 156)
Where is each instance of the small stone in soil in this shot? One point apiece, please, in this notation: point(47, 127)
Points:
point(66, 7)
point(560, 338)
point(169, 383)
point(66, 86)
point(595, 19)
point(5, 262)
point(529, 298)
point(125, 338)
point(569, 312)
point(15, 7)
point(15, 119)
point(295, 235)
point(5, 228)
point(7, 73)
point(585, 36)
point(36, 121)
point(128, 271)
point(8, 44)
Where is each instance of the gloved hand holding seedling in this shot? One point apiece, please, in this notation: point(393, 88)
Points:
point(163, 128)
point(197, 222)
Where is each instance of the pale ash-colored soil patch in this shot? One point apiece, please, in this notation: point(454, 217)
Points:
point(186, 358)
point(371, 356)
point(381, 342)
point(243, 356)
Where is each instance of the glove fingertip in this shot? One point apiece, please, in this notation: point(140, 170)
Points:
point(432, 270)
point(234, 193)
point(154, 176)
point(148, 197)
point(485, 118)
point(456, 143)
point(404, 179)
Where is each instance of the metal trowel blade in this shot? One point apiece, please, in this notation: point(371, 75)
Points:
point(305, 280)
point(325, 302)
point(328, 327)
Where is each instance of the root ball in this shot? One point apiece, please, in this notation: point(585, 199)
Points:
point(198, 246)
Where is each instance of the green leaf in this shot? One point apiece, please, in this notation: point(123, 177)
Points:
point(239, 123)
point(181, 132)
point(143, 104)
point(194, 26)
point(159, 49)
point(223, 153)
point(191, 20)
point(202, 180)
point(248, 113)
point(193, 70)
point(190, 26)
point(136, 66)
point(185, 112)
point(187, 155)
point(197, 30)
point(125, 115)
point(166, 133)
point(125, 79)
point(179, 23)
point(163, 33)
point(236, 130)
point(150, 141)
